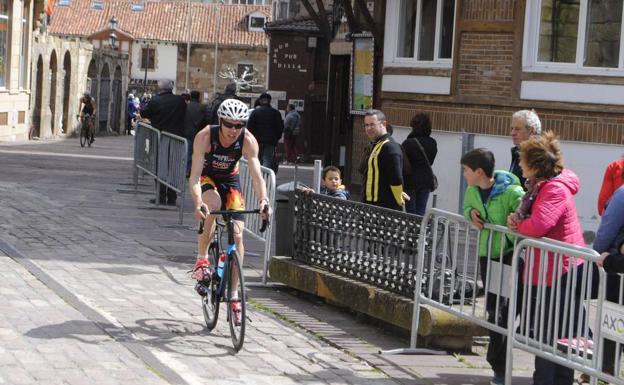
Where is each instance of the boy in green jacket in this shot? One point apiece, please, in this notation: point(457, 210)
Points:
point(490, 197)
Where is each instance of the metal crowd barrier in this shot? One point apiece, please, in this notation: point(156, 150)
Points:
point(363, 242)
point(253, 223)
point(146, 141)
point(560, 313)
point(172, 154)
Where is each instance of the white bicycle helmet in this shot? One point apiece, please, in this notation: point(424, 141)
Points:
point(233, 109)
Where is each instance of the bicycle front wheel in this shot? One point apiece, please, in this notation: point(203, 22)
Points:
point(210, 302)
point(83, 133)
point(236, 308)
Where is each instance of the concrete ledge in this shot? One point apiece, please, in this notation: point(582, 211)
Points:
point(437, 328)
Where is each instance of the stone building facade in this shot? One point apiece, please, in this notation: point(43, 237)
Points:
point(15, 34)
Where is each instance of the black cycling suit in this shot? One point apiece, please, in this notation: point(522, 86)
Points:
point(221, 172)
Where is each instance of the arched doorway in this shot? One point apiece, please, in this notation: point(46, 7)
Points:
point(92, 78)
point(66, 84)
point(53, 69)
point(104, 98)
point(36, 120)
point(117, 105)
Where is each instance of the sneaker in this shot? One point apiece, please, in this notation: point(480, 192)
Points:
point(579, 346)
point(498, 379)
point(236, 312)
point(201, 271)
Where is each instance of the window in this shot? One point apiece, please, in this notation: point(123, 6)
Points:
point(138, 7)
point(420, 32)
point(574, 36)
point(64, 3)
point(256, 23)
point(4, 42)
point(97, 5)
point(280, 10)
point(23, 69)
point(148, 58)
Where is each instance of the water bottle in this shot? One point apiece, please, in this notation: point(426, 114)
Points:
point(221, 265)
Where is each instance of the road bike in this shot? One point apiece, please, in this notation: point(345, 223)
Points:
point(86, 129)
point(217, 285)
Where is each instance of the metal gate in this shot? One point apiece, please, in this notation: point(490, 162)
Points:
point(103, 103)
point(116, 106)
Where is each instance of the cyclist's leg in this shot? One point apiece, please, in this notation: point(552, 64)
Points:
point(212, 199)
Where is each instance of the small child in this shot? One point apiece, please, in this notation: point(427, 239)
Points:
point(331, 184)
point(490, 197)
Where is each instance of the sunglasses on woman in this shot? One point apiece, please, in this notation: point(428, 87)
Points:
point(232, 125)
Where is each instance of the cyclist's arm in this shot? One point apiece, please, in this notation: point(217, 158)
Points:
point(93, 104)
point(202, 139)
point(250, 150)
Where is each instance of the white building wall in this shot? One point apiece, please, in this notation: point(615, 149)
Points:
point(587, 160)
point(166, 62)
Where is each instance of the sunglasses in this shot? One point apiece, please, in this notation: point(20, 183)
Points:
point(232, 125)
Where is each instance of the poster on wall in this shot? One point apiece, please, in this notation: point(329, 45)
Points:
point(362, 70)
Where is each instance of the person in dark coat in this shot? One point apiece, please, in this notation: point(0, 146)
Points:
point(166, 113)
point(524, 124)
point(228, 93)
point(419, 182)
point(266, 125)
point(195, 118)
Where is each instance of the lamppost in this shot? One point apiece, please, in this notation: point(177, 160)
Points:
point(112, 37)
point(218, 31)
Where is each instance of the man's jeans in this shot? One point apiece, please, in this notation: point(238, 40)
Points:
point(267, 154)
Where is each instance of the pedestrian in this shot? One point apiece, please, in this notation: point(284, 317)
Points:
point(420, 150)
point(195, 118)
point(490, 197)
point(608, 241)
point(229, 92)
point(132, 111)
point(383, 174)
point(292, 123)
point(266, 125)
point(524, 124)
point(166, 113)
point(548, 210)
point(612, 180)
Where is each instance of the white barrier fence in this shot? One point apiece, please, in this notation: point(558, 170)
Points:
point(253, 223)
point(542, 296)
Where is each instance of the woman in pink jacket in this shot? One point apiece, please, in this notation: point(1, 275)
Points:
point(548, 210)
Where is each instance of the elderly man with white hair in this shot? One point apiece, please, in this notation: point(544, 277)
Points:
point(524, 123)
point(166, 113)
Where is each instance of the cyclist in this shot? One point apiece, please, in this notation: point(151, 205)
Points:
point(87, 113)
point(215, 182)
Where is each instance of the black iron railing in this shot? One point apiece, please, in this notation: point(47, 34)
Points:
point(363, 242)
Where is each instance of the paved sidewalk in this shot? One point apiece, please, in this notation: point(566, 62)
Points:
point(112, 287)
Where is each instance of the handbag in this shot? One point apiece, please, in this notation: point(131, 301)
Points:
point(434, 186)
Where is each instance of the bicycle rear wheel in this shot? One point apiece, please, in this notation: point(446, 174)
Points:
point(210, 302)
point(237, 321)
point(83, 133)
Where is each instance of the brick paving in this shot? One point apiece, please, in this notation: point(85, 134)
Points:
point(96, 290)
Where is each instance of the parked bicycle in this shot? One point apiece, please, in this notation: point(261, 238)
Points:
point(218, 283)
point(87, 129)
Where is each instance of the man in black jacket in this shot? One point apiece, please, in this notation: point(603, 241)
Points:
point(195, 119)
point(383, 176)
point(166, 113)
point(266, 124)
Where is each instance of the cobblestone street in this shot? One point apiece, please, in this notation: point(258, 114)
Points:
point(96, 290)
